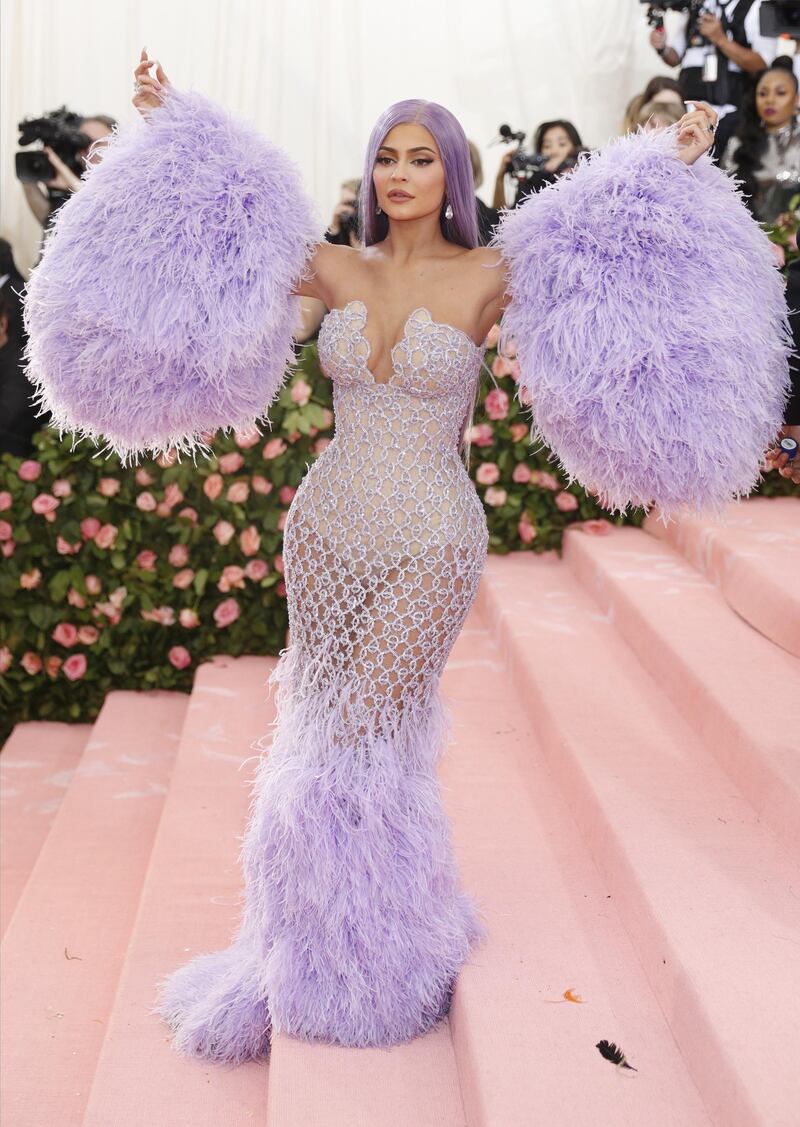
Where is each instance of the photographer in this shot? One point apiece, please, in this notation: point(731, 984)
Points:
point(557, 145)
point(717, 47)
point(45, 203)
point(344, 225)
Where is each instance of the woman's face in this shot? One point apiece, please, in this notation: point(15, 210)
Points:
point(776, 99)
point(556, 143)
point(409, 173)
point(668, 95)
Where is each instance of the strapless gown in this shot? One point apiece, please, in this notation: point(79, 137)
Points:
point(354, 925)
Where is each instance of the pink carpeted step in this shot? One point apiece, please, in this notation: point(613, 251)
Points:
point(190, 903)
point(753, 557)
point(36, 767)
point(702, 887)
point(64, 947)
point(739, 691)
point(527, 1054)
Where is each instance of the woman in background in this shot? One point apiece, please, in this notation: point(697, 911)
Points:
point(558, 143)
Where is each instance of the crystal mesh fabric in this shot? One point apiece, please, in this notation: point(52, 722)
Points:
point(354, 925)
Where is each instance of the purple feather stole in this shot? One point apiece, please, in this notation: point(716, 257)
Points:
point(651, 327)
point(161, 307)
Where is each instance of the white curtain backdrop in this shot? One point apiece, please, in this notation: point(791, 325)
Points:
point(314, 74)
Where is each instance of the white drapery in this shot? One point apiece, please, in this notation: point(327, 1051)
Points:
point(314, 74)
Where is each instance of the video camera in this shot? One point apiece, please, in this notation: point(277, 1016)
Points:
point(523, 165)
point(58, 129)
point(694, 9)
point(779, 17)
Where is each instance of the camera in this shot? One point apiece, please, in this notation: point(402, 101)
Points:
point(779, 17)
point(523, 165)
point(59, 129)
point(693, 8)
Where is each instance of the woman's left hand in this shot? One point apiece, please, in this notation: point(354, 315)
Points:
point(696, 132)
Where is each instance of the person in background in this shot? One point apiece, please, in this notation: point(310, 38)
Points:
point(39, 201)
point(659, 113)
point(764, 152)
point(344, 225)
point(18, 420)
point(488, 217)
point(661, 86)
point(560, 143)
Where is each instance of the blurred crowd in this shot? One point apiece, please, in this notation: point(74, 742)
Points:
point(740, 56)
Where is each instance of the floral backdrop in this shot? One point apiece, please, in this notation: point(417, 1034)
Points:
point(128, 579)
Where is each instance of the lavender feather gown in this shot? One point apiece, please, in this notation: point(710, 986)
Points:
point(354, 925)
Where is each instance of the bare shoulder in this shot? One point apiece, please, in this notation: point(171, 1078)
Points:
point(329, 264)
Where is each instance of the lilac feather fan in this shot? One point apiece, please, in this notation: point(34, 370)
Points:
point(162, 306)
point(651, 327)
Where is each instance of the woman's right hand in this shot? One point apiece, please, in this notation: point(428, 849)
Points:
point(151, 90)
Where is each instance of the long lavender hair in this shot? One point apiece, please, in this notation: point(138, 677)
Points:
point(459, 184)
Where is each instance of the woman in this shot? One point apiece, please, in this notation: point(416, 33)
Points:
point(764, 152)
point(558, 143)
point(354, 925)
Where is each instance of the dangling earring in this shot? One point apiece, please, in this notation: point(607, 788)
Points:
point(377, 210)
point(448, 211)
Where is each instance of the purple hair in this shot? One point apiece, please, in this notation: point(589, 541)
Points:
point(460, 189)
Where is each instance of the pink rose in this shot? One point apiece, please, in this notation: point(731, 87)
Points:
point(30, 579)
point(526, 529)
point(106, 537)
point(313, 431)
point(327, 418)
point(516, 371)
point(293, 435)
point(74, 667)
point(163, 509)
point(183, 578)
point(109, 610)
point(256, 570)
point(245, 439)
point(301, 392)
point(496, 403)
point(282, 520)
point(249, 540)
point(495, 497)
point(64, 548)
point(188, 514)
point(90, 526)
point(6, 658)
point(226, 613)
point(7, 548)
point(518, 431)
point(6, 531)
point(238, 493)
point(65, 634)
point(232, 576)
point(31, 663)
point(144, 478)
point(52, 665)
point(45, 503)
point(492, 337)
point(146, 560)
point(88, 635)
point(223, 532)
point(501, 366)
point(93, 585)
point(117, 596)
point(108, 486)
point(173, 495)
point(165, 616)
point(278, 564)
point(146, 502)
point(487, 473)
point(231, 463)
point(178, 555)
point(286, 493)
point(189, 618)
point(179, 656)
point(29, 471)
point(544, 479)
point(75, 598)
point(273, 449)
point(280, 589)
point(212, 486)
point(481, 435)
point(260, 484)
point(5, 500)
point(61, 487)
point(566, 502)
point(320, 445)
point(521, 474)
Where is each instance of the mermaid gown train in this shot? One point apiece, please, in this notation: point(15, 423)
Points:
point(354, 926)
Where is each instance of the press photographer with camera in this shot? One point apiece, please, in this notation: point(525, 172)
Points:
point(557, 145)
point(343, 229)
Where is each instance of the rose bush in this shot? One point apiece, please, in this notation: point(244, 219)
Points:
point(129, 579)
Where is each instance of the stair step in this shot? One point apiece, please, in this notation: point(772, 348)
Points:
point(36, 767)
point(65, 944)
point(189, 903)
point(700, 884)
point(739, 691)
point(525, 1053)
point(752, 556)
